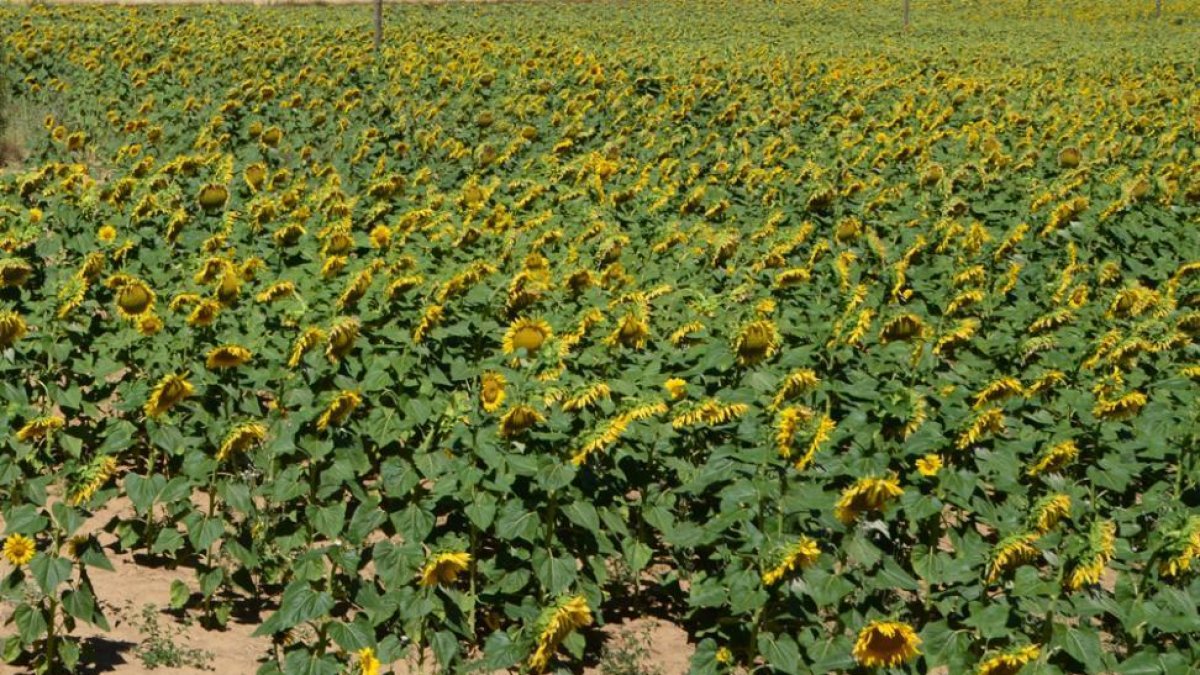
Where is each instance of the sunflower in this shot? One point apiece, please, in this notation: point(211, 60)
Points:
point(903, 327)
point(799, 554)
point(444, 568)
point(527, 334)
point(865, 495)
point(241, 439)
point(339, 409)
point(381, 236)
point(886, 644)
point(518, 420)
point(171, 389)
point(134, 299)
point(1008, 662)
point(255, 175)
point(14, 272)
point(92, 478)
point(212, 197)
point(1054, 459)
point(277, 291)
point(1012, 552)
point(368, 663)
point(1101, 545)
point(12, 328)
point(149, 324)
point(554, 625)
point(631, 332)
point(1183, 549)
point(757, 342)
point(1048, 511)
point(19, 549)
point(341, 339)
point(311, 337)
point(227, 356)
point(491, 391)
point(676, 387)
point(39, 427)
point(929, 465)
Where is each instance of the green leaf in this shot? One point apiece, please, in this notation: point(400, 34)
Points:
point(298, 604)
point(50, 571)
point(780, 651)
point(180, 594)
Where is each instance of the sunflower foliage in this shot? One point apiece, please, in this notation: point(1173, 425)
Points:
point(844, 347)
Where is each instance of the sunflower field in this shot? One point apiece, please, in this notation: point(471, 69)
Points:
point(844, 348)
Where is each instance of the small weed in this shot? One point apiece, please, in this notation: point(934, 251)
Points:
point(160, 650)
point(629, 654)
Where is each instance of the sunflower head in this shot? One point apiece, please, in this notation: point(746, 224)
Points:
point(676, 387)
point(212, 197)
point(227, 356)
point(341, 339)
point(19, 549)
point(886, 644)
point(171, 389)
point(526, 334)
point(1008, 662)
point(12, 328)
point(134, 299)
point(757, 342)
point(518, 420)
point(866, 495)
point(929, 465)
point(903, 327)
point(14, 272)
point(491, 391)
point(443, 568)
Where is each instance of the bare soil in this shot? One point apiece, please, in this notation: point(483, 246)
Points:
point(132, 585)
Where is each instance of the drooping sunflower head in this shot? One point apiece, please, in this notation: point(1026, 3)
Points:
point(903, 327)
point(91, 478)
point(204, 313)
point(171, 389)
point(757, 342)
point(212, 197)
point(14, 272)
point(1008, 662)
point(12, 328)
point(242, 438)
point(554, 624)
point(40, 427)
point(339, 409)
point(134, 299)
point(227, 356)
point(631, 332)
point(518, 420)
point(866, 495)
point(799, 554)
point(1012, 552)
point(444, 568)
point(1069, 157)
point(491, 391)
point(527, 334)
point(886, 644)
point(341, 339)
point(1048, 511)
